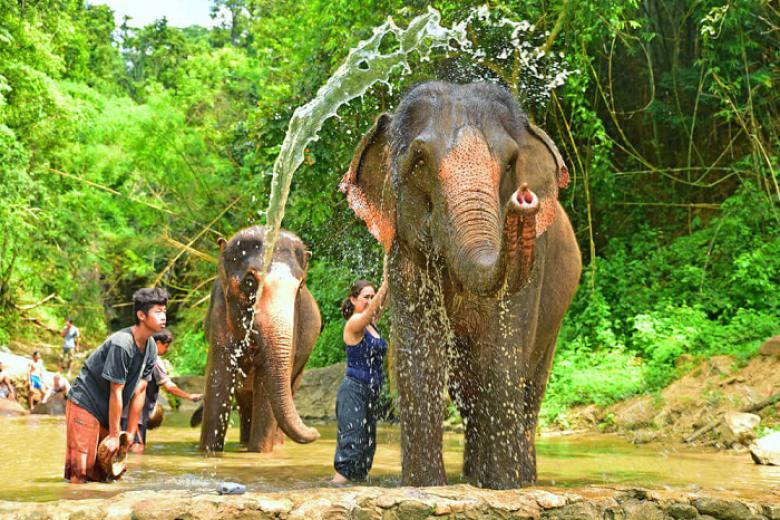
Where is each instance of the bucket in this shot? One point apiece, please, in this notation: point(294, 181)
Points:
point(113, 466)
point(155, 418)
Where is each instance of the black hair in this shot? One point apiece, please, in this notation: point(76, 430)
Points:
point(347, 308)
point(36, 353)
point(144, 299)
point(68, 320)
point(164, 336)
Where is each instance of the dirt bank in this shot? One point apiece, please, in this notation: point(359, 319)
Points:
point(709, 390)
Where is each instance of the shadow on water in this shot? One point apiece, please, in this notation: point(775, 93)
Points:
point(33, 450)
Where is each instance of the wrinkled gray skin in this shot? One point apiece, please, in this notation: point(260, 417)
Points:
point(461, 190)
point(264, 362)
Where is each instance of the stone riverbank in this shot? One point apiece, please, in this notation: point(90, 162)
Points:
point(451, 502)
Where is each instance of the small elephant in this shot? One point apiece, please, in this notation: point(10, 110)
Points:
point(462, 192)
point(258, 343)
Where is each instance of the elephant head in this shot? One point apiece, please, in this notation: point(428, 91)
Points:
point(267, 323)
point(458, 173)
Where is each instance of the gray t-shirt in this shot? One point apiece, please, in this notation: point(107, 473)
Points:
point(117, 360)
point(159, 378)
point(70, 338)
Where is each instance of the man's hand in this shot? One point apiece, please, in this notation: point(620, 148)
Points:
point(196, 397)
point(111, 443)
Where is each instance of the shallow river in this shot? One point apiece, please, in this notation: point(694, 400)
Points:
point(32, 452)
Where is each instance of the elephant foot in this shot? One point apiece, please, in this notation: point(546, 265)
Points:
point(424, 481)
point(431, 474)
point(263, 446)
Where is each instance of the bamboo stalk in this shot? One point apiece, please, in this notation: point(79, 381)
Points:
point(191, 250)
point(202, 232)
point(109, 190)
point(36, 304)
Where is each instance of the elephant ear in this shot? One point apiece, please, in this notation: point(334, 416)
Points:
point(367, 183)
point(540, 165)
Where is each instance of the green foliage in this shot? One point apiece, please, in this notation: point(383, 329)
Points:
point(329, 284)
point(581, 376)
point(122, 159)
point(708, 293)
point(188, 353)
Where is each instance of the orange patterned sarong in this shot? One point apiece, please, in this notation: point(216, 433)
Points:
point(83, 435)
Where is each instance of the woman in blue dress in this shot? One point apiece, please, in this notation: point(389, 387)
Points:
point(357, 401)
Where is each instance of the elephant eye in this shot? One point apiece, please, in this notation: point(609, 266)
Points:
point(249, 283)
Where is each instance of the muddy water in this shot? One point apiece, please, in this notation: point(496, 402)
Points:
point(32, 452)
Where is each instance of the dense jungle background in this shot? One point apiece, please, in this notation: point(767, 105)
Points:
point(126, 151)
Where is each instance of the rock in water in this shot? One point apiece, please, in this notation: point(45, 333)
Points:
point(54, 406)
point(739, 428)
point(316, 397)
point(766, 450)
point(231, 488)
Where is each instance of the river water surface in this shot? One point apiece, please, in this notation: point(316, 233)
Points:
point(32, 451)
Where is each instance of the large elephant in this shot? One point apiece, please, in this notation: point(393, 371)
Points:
point(258, 344)
point(461, 190)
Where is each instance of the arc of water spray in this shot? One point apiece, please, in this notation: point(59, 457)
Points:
point(364, 66)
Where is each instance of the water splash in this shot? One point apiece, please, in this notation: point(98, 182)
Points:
point(364, 66)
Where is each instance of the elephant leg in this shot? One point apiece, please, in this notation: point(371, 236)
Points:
point(507, 423)
point(244, 402)
point(420, 364)
point(220, 384)
point(534, 394)
point(502, 440)
point(264, 427)
point(500, 436)
point(463, 391)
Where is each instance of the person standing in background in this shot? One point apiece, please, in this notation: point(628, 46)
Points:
point(35, 382)
point(70, 345)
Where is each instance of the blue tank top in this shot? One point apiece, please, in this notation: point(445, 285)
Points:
point(366, 360)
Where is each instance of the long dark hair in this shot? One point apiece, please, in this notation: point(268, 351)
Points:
point(347, 308)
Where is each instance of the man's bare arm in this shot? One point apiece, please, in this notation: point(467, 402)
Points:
point(136, 406)
point(115, 409)
point(172, 388)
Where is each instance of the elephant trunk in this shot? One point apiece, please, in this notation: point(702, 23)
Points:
point(520, 236)
point(275, 319)
point(471, 196)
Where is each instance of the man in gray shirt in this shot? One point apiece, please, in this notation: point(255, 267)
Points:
point(70, 345)
point(107, 381)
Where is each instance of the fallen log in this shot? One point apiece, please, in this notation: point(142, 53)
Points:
point(750, 409)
